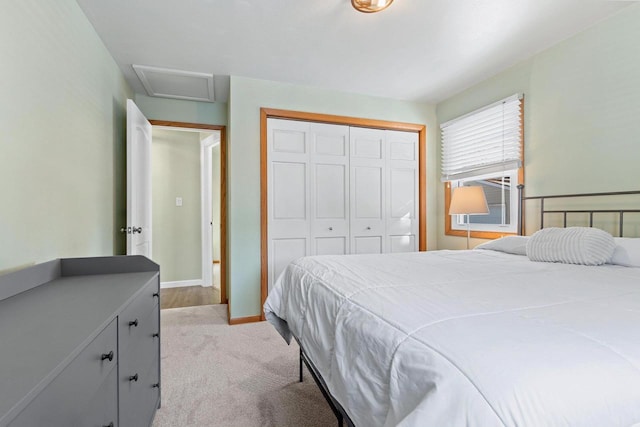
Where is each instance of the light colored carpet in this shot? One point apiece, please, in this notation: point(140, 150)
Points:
point(214, 374)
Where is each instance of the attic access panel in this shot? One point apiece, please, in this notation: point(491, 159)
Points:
point(177, 84)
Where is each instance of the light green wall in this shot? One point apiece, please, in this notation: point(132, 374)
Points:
point(62, 143)
point(176, 110)
point(582, 112)
point(176, 229)
point(246, 98)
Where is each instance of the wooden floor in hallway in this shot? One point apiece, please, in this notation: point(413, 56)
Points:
point(190, 296)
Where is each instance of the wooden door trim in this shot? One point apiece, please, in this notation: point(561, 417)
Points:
point(271, 113)
point(186, 125)
point(224, 299)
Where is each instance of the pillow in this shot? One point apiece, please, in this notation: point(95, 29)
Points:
point(516, 245)
point(627, 252)
point(573, 245)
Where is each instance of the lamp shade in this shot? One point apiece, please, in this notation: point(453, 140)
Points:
point(468, 201)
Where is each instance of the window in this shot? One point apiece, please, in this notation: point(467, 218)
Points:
point(484, 148)
point(502, 203)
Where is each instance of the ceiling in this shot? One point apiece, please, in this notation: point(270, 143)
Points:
point(418, 50)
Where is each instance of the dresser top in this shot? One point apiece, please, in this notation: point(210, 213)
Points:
point(43, 328)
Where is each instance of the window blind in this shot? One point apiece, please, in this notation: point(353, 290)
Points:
point(484, 141)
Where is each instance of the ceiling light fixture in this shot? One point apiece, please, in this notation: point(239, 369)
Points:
point(370, 6)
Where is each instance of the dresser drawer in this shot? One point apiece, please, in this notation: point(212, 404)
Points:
point(131, 319)
point(136, 358)
point(63, 401)
point(139, 399)
point(102, 409)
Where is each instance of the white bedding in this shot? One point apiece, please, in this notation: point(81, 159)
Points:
point(467, 338)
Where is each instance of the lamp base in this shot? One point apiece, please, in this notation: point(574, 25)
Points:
point(468, 232)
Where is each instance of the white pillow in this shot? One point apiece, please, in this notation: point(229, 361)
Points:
point(627, 252)
point(516, 245)
point(573, 245)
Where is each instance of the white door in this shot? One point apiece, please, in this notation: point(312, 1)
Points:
point(401, 205)
point(288, 200)
point(329, 162)
point(138, 227)
point(367, 191)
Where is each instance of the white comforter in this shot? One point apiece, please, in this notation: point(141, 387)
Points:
point(467, 338)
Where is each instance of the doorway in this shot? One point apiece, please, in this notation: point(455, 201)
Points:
point(189, 234)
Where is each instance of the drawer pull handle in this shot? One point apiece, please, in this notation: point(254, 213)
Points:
point(109, 425)
point(134, 378)
point(368, 228)
point(156, 294)
point(134, 323)
point(106, 356)
point(156, 335)
point(156, 385)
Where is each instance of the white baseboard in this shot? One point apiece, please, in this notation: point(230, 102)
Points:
point(181, 283)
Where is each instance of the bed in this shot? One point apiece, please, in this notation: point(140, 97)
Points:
point(485, 337)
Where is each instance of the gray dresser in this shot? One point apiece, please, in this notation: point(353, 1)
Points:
point(80, 343)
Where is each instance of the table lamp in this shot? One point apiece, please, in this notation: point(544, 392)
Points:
point(468, 201)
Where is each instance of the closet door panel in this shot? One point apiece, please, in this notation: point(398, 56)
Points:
point(402, 200)
point(367, 245)
point(367, 190)
point(289, 141)
point(367, 195)
point(401, 210)
point(331, 245)
point(329, 189)
point(283, 251)
point(331, 140)
point(402, 243)
point(367, 143)
point(288, 195)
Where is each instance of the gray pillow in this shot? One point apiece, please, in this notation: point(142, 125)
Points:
point(573, 245)
point(516, 245)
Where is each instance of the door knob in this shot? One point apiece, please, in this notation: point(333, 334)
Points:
point(368, 228)
point(330, 228)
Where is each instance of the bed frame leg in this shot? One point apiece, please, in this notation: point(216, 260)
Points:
point(301, 378)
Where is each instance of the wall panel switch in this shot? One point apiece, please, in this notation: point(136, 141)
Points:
point(178, 201)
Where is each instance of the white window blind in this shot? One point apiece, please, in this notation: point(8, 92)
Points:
point(484, 141)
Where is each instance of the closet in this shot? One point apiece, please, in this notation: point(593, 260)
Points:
point(337, 189)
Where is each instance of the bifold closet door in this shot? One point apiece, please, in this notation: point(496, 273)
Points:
point(288, 200)
point(401, 182)
point(308, 191)
point(334, 189)
point(384, 191)
point(367, 191)
point(329, 162)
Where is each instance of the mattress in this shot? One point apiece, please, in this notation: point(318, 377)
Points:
point(467, 338)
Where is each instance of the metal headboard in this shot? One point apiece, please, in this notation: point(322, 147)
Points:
point(565, 212)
